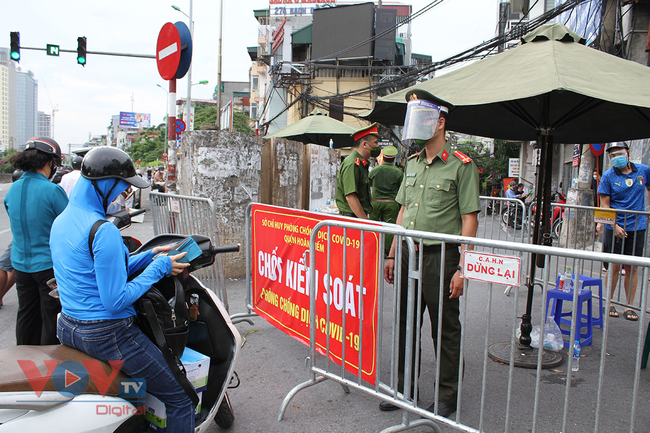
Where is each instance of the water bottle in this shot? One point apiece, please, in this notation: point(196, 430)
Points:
point(566, 280)
point(576, 356)
point(329, 202)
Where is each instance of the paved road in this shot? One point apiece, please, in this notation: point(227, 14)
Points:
point(271, 364)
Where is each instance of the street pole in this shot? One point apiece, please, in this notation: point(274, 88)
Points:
point(188, 106)
point(170, 181)
point(166, 113)
point(219, 68)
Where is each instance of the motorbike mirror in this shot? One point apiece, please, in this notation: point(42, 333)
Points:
point(121, 219)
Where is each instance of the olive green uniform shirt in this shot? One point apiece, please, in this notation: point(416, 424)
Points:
point(353, 178)
point(386, 180)
point(436, 195)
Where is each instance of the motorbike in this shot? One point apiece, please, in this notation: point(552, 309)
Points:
point(557, 217)
point(31, 400)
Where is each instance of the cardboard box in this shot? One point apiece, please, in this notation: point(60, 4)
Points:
point(155, 415)
point(197, 367)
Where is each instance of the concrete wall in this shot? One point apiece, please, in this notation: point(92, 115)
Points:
point(235, 169)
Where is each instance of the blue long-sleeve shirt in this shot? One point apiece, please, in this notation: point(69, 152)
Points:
point(98, 289)
point(33, 202)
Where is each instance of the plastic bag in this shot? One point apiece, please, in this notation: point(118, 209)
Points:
point(552, 335)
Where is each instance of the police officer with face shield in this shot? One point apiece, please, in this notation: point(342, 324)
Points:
point(439, 193)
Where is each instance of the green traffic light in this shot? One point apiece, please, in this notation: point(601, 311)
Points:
point(15, 55)
point(81, 60)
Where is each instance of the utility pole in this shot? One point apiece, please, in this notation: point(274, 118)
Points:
point(219, 68)
point(188, 107)
point(504, 8)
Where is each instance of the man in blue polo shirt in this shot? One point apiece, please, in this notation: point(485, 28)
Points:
point(623, 187)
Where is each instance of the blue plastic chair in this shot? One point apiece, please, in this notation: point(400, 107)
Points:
point(557, 297)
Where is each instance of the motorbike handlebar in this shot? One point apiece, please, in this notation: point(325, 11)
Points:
point(225, 249)
point(137, 212)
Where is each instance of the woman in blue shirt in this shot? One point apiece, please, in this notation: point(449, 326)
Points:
point(33, 202)
point(96, 295)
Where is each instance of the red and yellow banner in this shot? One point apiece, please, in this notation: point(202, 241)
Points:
point(280, 237)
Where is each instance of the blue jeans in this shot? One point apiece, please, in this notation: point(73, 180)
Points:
point(121, 339)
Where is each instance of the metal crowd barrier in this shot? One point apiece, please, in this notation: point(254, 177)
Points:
point(179, 214)
point(539, 401)
point(578, 231)
point(249, 272)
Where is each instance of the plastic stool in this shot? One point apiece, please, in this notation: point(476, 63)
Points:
point(583, 320)
point(590, 282)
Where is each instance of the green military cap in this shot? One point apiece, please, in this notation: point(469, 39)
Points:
point(423, 94)
point(389, 151)
point(366, 130)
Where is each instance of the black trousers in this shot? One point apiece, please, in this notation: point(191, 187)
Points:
point(37, 310)
point(451, 328)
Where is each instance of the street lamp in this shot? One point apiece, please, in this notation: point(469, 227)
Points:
point(167, 111)
point(200, 82)
point(188, 107)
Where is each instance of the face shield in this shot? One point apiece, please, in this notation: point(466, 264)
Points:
point(421, 121)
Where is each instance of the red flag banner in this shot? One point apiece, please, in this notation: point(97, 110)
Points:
point(280, 237)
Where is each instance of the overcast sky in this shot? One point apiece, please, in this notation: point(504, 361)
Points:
point(87, 97)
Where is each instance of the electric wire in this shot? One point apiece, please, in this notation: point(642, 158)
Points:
point(414, 74)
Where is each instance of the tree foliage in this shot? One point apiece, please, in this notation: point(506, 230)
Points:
point(149, 146)
point(494, 168)
point(207, 115)
point(241, 122)
point(5, 164)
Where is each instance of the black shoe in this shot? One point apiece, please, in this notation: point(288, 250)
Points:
point(387, 407)
point(444, 409)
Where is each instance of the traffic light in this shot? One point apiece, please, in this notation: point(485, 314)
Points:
point(15, 46)
point(81, 50)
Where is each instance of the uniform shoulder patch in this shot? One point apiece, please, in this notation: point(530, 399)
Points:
point(414, 155)
point(464, 158)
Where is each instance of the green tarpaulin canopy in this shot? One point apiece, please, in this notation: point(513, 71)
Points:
point(318, 128)
point(551, 82)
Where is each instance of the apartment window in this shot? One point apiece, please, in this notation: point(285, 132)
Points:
point(254, 83)
point(254, 110)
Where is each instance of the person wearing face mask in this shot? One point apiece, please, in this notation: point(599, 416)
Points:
point(440, 194)
point(33, 202)
point(352, 183)
point(624, 187)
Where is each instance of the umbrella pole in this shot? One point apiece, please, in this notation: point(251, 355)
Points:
point(526, 356)
point(543, 205)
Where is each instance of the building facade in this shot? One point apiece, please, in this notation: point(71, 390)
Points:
point(44, 125)
point(333, 55)
point(7, 101)
point(26, 107)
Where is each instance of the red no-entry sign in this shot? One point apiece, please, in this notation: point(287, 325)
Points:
point(168, 51)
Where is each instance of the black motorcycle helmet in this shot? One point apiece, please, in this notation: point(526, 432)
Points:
point(76, 162)
point(45, 145)
point(110, 163)
point(49, 146)
point(17, 174)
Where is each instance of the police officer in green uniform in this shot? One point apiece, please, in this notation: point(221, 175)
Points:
point(352, 183)
point(385, 180)
point(439, 193)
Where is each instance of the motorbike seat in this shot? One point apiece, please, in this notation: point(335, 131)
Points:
point(13, 379)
